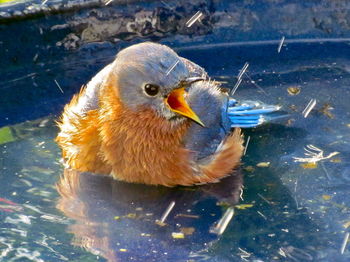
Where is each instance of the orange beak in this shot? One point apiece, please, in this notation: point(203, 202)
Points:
point(177, 103)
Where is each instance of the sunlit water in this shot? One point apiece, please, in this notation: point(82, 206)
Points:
point(294, 212)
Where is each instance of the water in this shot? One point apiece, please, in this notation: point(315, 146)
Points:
point(293, 213)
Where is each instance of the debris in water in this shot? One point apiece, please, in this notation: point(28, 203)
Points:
point(58, 86)
point(309, 165)
point(345, 242)
point(242, 71)
point(263, 164)
point(249, 168)
point(281, 44)
point(246, 146)
point(220, 227)
point(239, 81)
point(326, 197)
point(309, 107)
point(325, 110)
point(243, 206)
point(178, 235)
point(187, 215)
point(187, 230)
point(293, 90)
point(194, 18)
point(261, 214)
point(314, 154)
point(166, 213)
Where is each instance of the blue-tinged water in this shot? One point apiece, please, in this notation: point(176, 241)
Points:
point(294, 212)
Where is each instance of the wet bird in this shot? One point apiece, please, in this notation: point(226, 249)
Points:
point(153, 117)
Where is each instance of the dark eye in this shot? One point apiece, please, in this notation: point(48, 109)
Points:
point(151, 89)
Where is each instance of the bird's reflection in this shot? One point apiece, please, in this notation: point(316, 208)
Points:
point(116, 220)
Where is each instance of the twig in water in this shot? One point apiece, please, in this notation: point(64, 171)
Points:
point(242, 71)
point(241, 193)
point(255, 84)
point(326, 172)
point(246, 145)
point(194, 18)
point(44, 2)
point(344, 244)
point(59, 87)
point(239, 81)
point(220, 227)
point(244, 254)
point(167, 212)
point(261, 214)
point(309, 107)
point(108, 2)
point(263, 198)
point(314, 154)
point(281, 44)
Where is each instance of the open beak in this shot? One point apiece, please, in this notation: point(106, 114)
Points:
point(177, 103)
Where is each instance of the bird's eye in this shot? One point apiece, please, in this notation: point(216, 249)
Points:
point(151, 89)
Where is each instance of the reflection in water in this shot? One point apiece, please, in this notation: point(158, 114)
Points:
point(117, 220)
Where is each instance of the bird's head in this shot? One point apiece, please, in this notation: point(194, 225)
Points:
point(153, 75)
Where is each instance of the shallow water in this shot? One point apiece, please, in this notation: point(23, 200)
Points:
point(294, 212)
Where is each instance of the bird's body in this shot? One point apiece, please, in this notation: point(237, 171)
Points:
point(147, 133)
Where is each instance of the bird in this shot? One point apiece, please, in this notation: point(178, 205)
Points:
point(153, 117)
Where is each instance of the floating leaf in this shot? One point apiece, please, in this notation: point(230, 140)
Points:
point(6, 135)
point(249, 168)
point(5, 1)
point(263, 164)
point(123, 250)
point(309, 165)
point(293, 90)
point(131, 215)
point(187, 215)
point(336, 160)
point(326, 197)
point(160, 223)
point(178, 235)
point(187, 230)
point(346, 224)
point(325, 110)
point(243, 206)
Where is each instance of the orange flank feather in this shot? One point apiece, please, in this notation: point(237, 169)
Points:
point(138, 145)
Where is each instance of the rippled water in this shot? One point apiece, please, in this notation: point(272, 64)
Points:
point(289, 211)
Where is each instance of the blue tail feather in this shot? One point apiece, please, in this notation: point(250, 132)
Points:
point(248, 114)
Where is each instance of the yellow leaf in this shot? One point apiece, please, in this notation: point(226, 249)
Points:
point(293, 90)
point(326, 197)
point(131, 215)
point(249, 168)
point(123, 250)
point(263, 164)
point(187, 230)
point(243, 206)
point(178, 235)
point(347, 224)
point(6, 135)
point(309, 165)
point(336, 160)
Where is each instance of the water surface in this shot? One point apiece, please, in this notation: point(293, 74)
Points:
point(294, 212)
